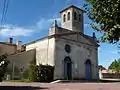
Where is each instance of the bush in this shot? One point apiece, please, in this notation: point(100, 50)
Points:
point(32, 72)
point(40, 73)
point(3, 65)
point(45, 73)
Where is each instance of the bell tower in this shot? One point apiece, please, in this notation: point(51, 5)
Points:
point(72, 19)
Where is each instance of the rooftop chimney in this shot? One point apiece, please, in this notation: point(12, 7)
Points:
point(18, 42)
point(10, 40)
point(19, 45)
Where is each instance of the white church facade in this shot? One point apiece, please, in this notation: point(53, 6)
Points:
point(73, 54)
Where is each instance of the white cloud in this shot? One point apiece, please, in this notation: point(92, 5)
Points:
point(45, 24)
point(10, 30)
point(13, 30)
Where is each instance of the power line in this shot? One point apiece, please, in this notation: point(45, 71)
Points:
point(7, 4)
point(4, 12)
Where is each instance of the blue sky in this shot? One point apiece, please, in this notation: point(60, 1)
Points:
point(28, 20)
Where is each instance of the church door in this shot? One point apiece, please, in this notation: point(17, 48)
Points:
point(67, 68)
point(88, 70)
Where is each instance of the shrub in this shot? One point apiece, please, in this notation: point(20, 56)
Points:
point(45, 73)
point(32, 72)
point(3, 65)
point(40, 73)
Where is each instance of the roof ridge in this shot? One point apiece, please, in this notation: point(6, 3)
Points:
point(70, 7)
point(8, 43)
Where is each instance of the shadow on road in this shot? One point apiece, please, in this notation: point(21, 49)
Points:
point(21, 88)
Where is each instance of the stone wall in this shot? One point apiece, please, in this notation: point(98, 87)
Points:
point(110, 75)
point(20, 60)
point(7, 48)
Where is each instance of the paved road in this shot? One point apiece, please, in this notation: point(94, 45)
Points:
point(59, 86)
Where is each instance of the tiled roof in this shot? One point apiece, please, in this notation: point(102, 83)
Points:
point(62, 34)
point(71, 6)
point(8, 43)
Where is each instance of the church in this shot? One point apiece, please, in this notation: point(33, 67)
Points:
point(73, 54)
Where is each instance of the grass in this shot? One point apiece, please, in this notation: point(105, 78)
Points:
point(23, 80)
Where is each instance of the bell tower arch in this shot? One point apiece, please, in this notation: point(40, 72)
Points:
point(72, 18)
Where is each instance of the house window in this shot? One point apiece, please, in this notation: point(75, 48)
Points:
point(68, 17)
point(75, 16)
point(64, 18)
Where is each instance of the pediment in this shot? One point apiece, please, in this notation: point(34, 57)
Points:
point(78, 37)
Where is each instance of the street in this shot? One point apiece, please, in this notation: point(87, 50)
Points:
point(59, 86)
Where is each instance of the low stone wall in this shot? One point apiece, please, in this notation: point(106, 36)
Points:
point(110, 75)
point(19, 61)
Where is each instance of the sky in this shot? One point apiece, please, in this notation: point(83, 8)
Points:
point(28, 20)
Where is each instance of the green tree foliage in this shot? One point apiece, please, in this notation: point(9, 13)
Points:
point(32, 71)
point(3, 65)
point(40, 73)
point(45, 73)
point(106, 17)
point(115, 65)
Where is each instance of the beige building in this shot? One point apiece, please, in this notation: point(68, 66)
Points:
point(73, 54)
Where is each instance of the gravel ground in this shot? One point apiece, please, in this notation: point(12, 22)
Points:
point(59, 86)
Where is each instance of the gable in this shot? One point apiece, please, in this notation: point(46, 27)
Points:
point(81, 38)
point(87, 39)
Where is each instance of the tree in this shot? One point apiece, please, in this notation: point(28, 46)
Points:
point(115, 65)
point(3, 65)
point(105, 15)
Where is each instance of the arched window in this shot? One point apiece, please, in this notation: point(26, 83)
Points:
point(88, 61)
point(68, 16)
point(80, 17)
point(67, 59)
point(64, 18)
point(75, 16)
